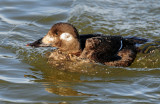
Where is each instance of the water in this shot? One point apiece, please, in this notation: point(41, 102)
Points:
point(26, 78)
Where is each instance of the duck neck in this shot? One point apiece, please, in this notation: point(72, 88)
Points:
point(73, 47)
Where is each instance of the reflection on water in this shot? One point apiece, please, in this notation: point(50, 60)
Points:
point(26, 77)
point(60, 83)
point(63, 82)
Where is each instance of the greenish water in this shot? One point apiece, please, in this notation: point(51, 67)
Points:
point(26, 78)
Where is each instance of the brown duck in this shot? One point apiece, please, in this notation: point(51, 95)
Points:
point(108, 50)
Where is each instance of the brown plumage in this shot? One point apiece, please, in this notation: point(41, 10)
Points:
point(108, 50)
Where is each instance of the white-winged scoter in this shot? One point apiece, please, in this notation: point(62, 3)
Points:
point(108, 50)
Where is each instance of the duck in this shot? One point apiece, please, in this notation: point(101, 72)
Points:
point(110, 50)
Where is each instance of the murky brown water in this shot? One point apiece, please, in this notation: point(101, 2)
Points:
point(26, 78)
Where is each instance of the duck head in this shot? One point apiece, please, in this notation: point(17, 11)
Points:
point(64, 36)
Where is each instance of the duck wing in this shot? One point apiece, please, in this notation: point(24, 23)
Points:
point(102, 48)
point(84, 37)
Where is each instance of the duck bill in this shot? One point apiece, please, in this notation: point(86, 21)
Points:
point(38, 43)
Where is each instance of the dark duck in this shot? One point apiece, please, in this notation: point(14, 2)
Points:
point(99, 48)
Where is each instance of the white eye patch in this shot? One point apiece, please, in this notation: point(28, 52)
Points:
point(66, 36)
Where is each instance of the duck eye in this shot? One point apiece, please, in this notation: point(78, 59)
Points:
point(56, 33)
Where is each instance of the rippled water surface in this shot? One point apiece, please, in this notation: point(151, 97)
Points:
point(26, 78)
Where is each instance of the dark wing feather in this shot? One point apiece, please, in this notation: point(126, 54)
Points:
point(102, 48)
point(84, 37)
